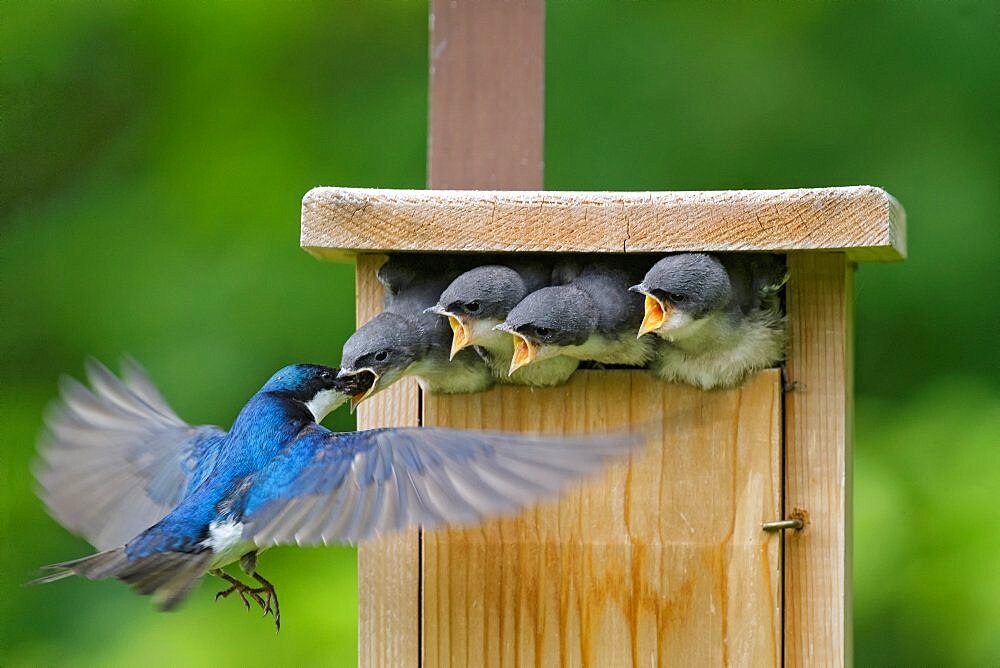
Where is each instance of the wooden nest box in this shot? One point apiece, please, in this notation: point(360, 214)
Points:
point(664, 560)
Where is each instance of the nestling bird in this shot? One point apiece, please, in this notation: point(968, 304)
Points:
point(479, 300)
point(391, 347)
point(413, 281)
point(593, 317)
point(403, 340)
point(167, 502)
point(719, 316)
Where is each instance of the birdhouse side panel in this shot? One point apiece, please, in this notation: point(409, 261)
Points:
point(818, 458)
point(388, 568)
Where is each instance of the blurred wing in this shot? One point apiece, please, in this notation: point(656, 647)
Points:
point(114, 460)
point(348, 487)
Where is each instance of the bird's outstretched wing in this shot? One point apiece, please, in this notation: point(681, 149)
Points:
point(114, 460)
point(344, 488)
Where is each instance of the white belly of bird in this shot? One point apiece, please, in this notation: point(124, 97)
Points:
point(225, 539)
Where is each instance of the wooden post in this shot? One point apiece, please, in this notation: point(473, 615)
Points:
point(487, 97)
point(486, 110)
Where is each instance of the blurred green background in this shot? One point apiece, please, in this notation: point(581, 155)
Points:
point(153, 159)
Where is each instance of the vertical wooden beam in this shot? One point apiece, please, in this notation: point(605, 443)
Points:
point(818, 439)
point(487, 100)
point(486, 110)
point(388, 568)
point(487, 95)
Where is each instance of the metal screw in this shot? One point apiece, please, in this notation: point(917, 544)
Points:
point(781, 525)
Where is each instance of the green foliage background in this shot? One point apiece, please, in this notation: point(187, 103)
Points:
point(153, 159)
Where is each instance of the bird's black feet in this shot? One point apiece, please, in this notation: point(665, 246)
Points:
point(265, 596)
point(270, 598)
point(240, 588)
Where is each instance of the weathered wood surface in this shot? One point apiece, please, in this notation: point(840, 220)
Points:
point(818, 460)
point(864, 221)
point(389, 568)
point(486, 104)
point(659, 562)
point(485, 131)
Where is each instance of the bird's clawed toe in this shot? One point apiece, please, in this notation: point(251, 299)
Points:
point(265, 596)
point(244, 591)
point(271, 595)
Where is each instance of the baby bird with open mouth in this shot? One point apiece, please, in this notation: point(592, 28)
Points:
point(403, 340)
point(479, 300)
point(593, 317)
point(719, 317)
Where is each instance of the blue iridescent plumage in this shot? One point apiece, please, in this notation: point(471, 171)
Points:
point(167, 502)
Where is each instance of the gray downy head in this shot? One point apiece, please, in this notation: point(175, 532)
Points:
point(488, 292)
point(402, 271)
point(547, 320)
point(396, 274)
point(476, 301)
point(387, 345)
point(556, 316)
point(694, 283)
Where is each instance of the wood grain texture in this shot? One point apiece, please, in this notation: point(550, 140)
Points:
point(388, 568)
point(864, 221)
point(818, 460)
point(485, 131)
point(660, 561)
point(487, 89)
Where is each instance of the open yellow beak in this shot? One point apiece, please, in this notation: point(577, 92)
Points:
point(656, 314)
point(361, 396)
point(525, 352)
point(459, 336)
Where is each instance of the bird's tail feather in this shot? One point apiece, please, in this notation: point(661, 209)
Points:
point(168, 576)
point(95, 567)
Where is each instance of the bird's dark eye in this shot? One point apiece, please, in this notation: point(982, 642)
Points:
point(381, 356)
point(542, 331)
point(675, 297)
point(472, 307)
point(326, 375)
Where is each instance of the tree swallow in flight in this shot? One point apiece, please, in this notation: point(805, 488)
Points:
point(719, 316)
point(166, 502)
